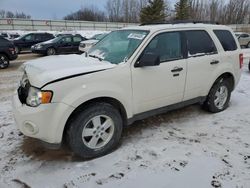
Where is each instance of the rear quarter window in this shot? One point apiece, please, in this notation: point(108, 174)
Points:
point(226, 39)
point(199, 43)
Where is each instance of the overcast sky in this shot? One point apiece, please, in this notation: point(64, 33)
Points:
point(50, 9)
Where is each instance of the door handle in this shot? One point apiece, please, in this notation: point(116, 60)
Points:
point(214, 62)
point(177, 69)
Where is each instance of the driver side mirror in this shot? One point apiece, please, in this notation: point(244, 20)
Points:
point(148, 59)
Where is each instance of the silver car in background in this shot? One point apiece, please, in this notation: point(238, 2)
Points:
point(87, 44)
point(244, 39)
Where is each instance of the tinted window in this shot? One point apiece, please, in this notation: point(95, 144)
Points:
point(38, 37)
point(4, 35)
point(200, 43)
point(226, 39)
point(77, 39)
point(244, 36)
point(47, 36)
point(167, 46)
point(29, 37)
point(66, 39)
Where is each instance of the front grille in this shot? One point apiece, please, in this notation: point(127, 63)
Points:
point(23, 92)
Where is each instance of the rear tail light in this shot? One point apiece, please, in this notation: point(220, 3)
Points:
point(241, 60)
point(12, 50)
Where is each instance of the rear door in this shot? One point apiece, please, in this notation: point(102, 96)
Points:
point(203, 59)
point(65, 45)
point(38, 38)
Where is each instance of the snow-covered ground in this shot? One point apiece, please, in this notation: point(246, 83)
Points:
point(186, 148)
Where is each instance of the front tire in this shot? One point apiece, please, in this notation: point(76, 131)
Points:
point(4, 61)
point(95, 131)
point(219, 96)
point(51, 51)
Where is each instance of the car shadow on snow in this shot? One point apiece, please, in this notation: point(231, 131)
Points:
point(34, 149)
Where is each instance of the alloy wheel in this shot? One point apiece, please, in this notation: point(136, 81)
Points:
point(98, 131)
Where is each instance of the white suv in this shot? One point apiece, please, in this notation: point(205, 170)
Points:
point(131, 74)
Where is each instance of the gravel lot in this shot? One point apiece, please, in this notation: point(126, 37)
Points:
point(183, 148)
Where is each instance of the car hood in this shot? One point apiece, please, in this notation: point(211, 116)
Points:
point(47, 42)
point(89, 42)
point(52, 68)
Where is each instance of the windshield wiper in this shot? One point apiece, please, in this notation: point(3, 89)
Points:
point(94, 56)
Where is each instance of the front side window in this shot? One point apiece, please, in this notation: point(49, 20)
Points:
point(66, 39)
point(199, 43)
point(118, 46)
point(226, 39)
point(167, 46)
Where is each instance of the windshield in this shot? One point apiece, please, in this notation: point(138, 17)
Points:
point(118, 46)
point(98, 36)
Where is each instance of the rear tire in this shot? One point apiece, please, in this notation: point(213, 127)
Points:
point(95, 131)
point(219, 96)
point(51, 51)
point(4, 61)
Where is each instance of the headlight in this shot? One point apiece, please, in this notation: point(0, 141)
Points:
point(39, 46)
point(37, 97)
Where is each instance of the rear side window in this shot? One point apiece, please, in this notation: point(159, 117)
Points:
point(48, 36)
point(77, 39)
point(199, 43)
point(226, 39)
point(38, 37)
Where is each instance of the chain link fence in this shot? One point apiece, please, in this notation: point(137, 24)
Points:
point(69, 25)
point(58, 25)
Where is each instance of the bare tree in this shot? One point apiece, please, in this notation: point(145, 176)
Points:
point(114, 8)
point(87, 14)
point(9, 14)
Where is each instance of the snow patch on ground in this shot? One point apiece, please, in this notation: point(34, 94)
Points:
point(184, 148)
point(85, 33)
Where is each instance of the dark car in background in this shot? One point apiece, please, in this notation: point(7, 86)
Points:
point(7, 52)
point(10, 35)
point(26, 41)
point(65, 44)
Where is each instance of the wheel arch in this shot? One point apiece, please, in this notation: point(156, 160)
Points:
point(226, 75)
point(112, 101)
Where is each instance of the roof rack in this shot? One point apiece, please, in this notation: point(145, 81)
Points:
point(180, 22)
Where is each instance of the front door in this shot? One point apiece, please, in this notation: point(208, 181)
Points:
point(163, 85)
